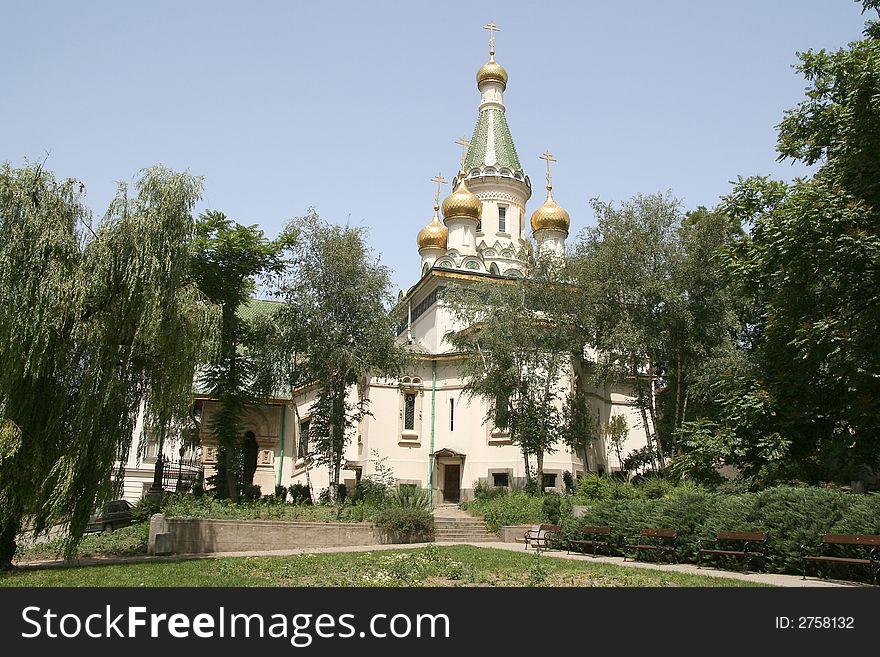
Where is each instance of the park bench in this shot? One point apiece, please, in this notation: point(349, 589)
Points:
point(595, 538)
point(746, 546)
point(542, 537)
point(662, 542)
point(866, 546)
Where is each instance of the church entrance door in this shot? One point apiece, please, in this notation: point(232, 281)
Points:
point(451, 482)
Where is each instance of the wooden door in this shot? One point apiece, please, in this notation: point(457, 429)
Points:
point(451, 478)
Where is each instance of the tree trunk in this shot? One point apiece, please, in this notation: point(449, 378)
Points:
point(8, 532)
point(675, 423)
point(653, 413)
point(641, 402)
point(539, 457)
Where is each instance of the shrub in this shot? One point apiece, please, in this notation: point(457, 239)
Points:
point(593, 486)
point(485, 492)
point(145, 508)
point(406, 524)
point(300, 494)
point(281, 493)
point(568, 481)
point(550, 509)
point(517, 508)
point(410, 497)
point(250, 493)
point(371, 491)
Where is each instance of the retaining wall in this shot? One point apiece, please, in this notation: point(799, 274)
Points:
point(169, 535)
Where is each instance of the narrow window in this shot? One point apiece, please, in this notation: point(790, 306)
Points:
point(409, 411)
point(502, 219)
point(501, 412)
point(304, 438)
point(452, 413)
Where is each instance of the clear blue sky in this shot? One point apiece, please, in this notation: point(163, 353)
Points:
point(351, 107)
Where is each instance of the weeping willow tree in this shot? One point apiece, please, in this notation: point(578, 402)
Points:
point(94, 320)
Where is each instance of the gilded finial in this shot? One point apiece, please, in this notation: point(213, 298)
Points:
point(548, 156)
point(492, 29)
point(440, 180)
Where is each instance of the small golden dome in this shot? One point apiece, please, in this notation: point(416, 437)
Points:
point(550, 216)
point(434, 235)
point(492, 70)
point(462, 203)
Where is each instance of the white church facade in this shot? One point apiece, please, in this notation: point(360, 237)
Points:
point(424, 426)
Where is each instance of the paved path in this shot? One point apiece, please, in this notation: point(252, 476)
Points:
point(771, 579)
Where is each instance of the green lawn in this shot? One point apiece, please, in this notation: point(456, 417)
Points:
point(459, 565)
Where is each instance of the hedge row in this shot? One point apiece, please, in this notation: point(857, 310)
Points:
point(792, 517)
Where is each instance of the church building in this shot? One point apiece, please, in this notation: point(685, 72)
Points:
point(424, 426)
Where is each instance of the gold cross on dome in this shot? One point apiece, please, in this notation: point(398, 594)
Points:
point(465, 144)
point(492, 28)
point(548, 156)
point(440, 180)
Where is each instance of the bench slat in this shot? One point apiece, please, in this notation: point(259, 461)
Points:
point(851, 539)
point(742, 536)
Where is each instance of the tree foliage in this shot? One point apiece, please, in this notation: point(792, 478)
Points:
point(518, 356)
point(228, 259)
point(801, 401)
point(93, 321)
point(333, 330)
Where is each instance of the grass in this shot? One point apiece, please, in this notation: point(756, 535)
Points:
point(459, 565)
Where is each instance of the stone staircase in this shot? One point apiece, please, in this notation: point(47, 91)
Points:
point(461, 530)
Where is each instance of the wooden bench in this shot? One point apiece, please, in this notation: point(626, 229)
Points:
point(750, 546)
point(868, 542)
point(542, 537)
point(596, 538)
point(662, 542)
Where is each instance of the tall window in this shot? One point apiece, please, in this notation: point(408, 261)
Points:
point(304, 439)
point(409, 411)
point(452, 413)
point(501, 414)
point(502, 219)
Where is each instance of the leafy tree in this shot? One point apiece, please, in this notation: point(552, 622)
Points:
point(702, 325)
point(94, 321)
point(333, 330)
point(808, 386)
point(617, 431)
point(624, 272)
point(517, 355)
point(227, 260)
point(579, 426)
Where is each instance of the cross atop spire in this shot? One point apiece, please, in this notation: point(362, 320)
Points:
point(465, 144)
point(492, 28)
point(548, 156)
point(440, 180)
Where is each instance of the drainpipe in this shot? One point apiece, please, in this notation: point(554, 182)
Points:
point(433, 415)
point(281, 462)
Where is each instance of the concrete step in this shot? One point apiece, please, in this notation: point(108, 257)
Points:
point(469, 539)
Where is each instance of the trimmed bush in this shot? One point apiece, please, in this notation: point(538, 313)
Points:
point(144, 509)
point(792, 516)
point(406, 524)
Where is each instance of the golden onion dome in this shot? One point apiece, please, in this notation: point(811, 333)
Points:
point(492, 70)
point(462, 203)
point(550, 216)
point(434, 235)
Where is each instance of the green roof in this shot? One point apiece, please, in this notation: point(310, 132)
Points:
point(256, 308)
point(500, 153)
